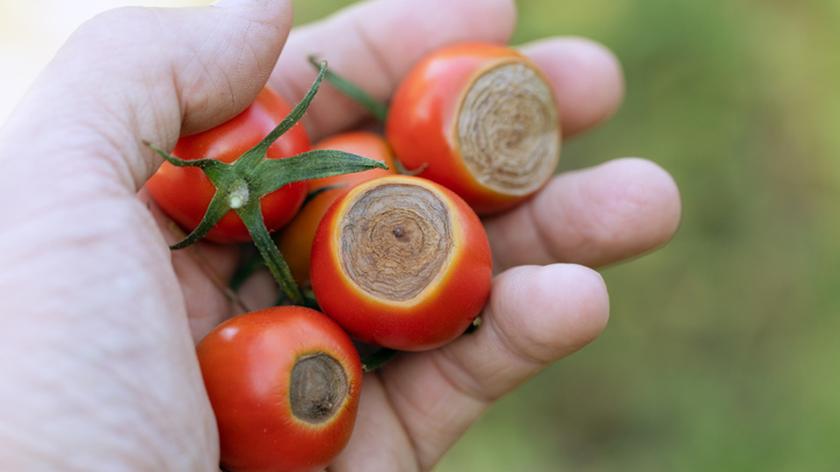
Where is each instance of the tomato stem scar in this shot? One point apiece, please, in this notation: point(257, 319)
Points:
point(238, 196)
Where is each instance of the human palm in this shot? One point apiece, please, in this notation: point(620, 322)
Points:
point(98, 359)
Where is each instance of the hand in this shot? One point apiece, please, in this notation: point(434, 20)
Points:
point(99, 370)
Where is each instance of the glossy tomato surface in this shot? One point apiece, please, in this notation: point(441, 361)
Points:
point(247, 364)
point(439, 313)
point(296, 241)
point(422, 119)
point(183, 193)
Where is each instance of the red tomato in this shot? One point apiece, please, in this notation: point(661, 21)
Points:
point(401, 262)
point(183, 193)
point(296, 241)
point(284, 384)
point(482, 119)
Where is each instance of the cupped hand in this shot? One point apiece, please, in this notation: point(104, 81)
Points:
point(100, 318)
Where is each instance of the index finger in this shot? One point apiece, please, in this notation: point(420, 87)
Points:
point(535, 316)
point(373, 44)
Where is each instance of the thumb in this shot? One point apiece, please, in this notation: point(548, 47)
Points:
point(136, 74)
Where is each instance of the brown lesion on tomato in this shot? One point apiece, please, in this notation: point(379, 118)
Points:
point(394, 240)
point(507, 128)
point(318, 388)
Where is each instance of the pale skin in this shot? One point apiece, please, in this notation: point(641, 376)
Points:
point(100, 319)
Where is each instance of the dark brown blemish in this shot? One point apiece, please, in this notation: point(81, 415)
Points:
point(318, 388)
point(395, 239)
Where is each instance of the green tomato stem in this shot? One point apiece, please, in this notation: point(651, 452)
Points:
point(239, 194)
point(376, 108)
point(251, 215)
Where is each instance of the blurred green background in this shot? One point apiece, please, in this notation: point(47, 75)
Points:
point(721, 352)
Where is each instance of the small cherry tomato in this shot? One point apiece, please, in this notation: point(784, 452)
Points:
point(401, 262)
point(183, 193)
point(296, 240)
point(284, 384)
point(479, 119)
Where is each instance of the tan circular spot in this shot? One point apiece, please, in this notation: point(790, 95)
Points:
point(395, 239)
point(508, 129)
point(318, 388)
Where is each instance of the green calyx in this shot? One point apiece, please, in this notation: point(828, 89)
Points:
point(241, 184)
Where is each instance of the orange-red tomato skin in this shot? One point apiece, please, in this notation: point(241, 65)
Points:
point(437, 315)
point(183, 193)
point(295, 242)
point(246, 363)
point(421, 120)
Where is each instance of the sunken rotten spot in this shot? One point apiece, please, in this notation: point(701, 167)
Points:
point(395, 239)
point(319, 387)
point(508, 129)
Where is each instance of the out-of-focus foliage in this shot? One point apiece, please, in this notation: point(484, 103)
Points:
point(722, 349)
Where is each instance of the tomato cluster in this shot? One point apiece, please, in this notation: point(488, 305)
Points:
point(397, 261)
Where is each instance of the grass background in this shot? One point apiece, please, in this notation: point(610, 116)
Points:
point(722, 351)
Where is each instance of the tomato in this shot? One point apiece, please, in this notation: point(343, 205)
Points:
point(401, 262)
point(483, 121)
point(183, 193)
point(284, 384)
point(296, 241)
point(363, 143)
